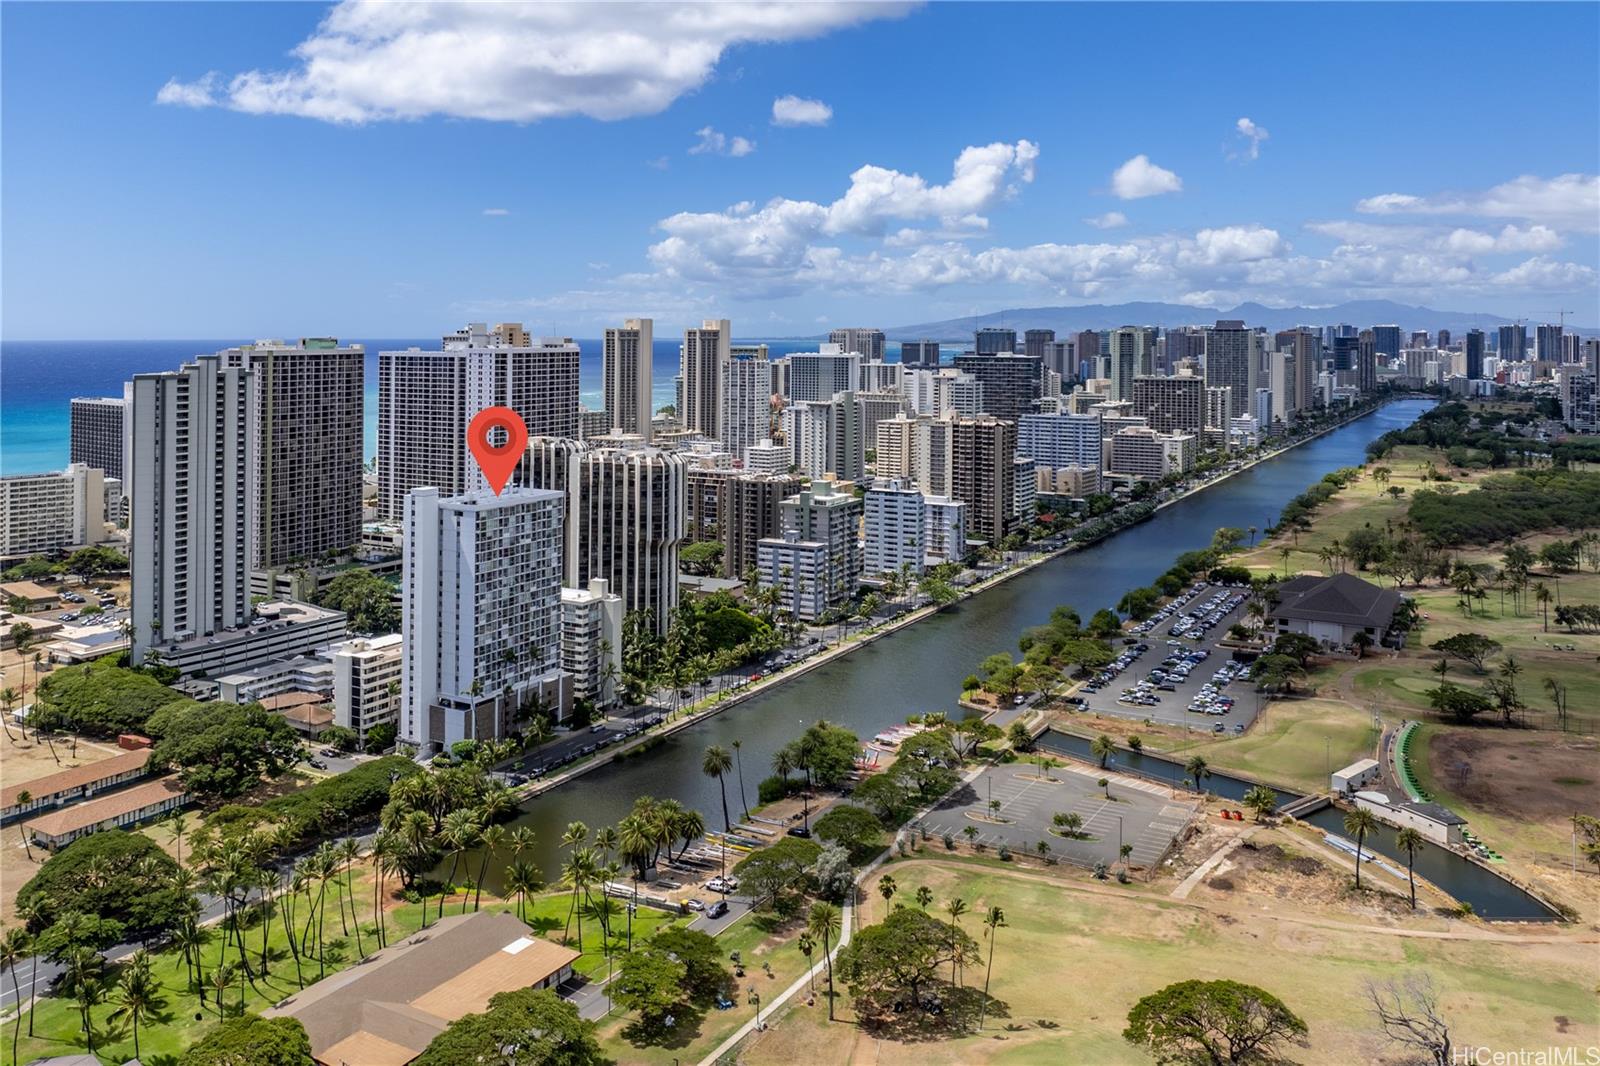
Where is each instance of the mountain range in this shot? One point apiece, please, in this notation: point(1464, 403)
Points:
point(1065, 320)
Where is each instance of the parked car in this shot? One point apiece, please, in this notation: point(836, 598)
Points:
point(717, 909)
point(695, 904)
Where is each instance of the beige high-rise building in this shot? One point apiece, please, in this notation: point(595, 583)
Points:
point(1171, 405)
point(700, 362)
point(625, 376)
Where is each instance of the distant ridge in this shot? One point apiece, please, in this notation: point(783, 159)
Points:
point(1064, 320)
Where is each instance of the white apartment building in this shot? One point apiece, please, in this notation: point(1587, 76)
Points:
point(303, 673)
point(625, 364)
point(765, 457)
point(945, 537)
point(1025, 503)
point(367, 682)
point(896, 532)
point(56, 512)
point(192, 516)
point(426, 400)
point(591, 643)
point(823, 374)
point(832, 518)
point(745, 398)
point(878, 376)
point(482, 613)
point(799, 570)
point(1062, 440)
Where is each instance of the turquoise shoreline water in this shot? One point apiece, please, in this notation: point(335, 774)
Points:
point(39, 378)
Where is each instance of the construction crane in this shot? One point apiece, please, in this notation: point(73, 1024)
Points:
point(1562, 315)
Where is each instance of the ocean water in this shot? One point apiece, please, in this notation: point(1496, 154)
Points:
point(38, 379)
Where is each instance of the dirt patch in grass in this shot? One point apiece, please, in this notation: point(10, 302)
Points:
point(1273, 868)
point(1534, 777)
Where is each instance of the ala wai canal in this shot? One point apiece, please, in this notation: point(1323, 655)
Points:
point(920, 668)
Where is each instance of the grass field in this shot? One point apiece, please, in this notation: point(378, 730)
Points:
point(760, 941)
point(1069, 966)
point(1295, 744)
point(181, 1019)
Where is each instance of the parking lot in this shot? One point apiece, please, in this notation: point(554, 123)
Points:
point(1175, 673)
point(1137, 812)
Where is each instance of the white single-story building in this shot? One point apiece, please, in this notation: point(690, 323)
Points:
point(1438, 824)
point(1356, 776)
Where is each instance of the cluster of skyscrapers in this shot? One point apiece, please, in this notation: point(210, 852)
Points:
point(241, 480)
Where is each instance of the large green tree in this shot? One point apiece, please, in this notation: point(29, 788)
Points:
point(222, 749)
point(365, 598)
point(116, 875)
point(251, 1040)
point(900, 958)
point(1214, 1022)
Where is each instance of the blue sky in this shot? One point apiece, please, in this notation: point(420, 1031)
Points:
point(285, 169)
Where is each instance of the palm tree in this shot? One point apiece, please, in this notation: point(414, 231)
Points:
point(994, 920)
point(177, 826)
point(572, 839)
point(221, 980)
point(924, 896)
point(1541, 594)
point(691, 826)
point(886, 887)
point(349, 852)
point(1102, 748)
point(23, 799)
point(1359, 823)
point(578, 873)
point(523, 879)
point(82, 981)
point(13, 949)
point(744, 803)
point(955, 908)
point(1410, 841)
point(459, 834)
point(492, 837)
point(136, 994)
point(8, 699)
point(824, 922)
point(718, 762)
point(1198, 771)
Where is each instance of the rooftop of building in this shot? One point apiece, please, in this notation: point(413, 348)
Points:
point(76, 776)
point(1342, 599)
point(278, 614)
point(386, 1010)
point(105, 808)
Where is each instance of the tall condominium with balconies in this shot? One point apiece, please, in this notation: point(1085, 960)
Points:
point(700, 362)
point(824, 516)
point(1233, 359)
point(625, 376)
point(983, 474)
point(1061, 441)
point(745, 396)
point(192, 513)
point(308, 446)
point(994, 340)
point(894, 531)
point(626, 509)
point(426, 401)
point(481, 623)
point(97, 433)
point(822, 374)
point(1012, 384)
point(1171, 405)
point(867, 343)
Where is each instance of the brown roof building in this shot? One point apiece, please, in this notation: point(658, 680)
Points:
point(78, 782)
point(125, 807)
point(386, 1009)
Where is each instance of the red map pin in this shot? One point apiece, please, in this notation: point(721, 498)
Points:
point(497, 461)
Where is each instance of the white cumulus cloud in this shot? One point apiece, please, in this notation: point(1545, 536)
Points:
point(1138, 178)
point(1109, 220)
point(797, 111)
point(1568, 201)
point(712, 142)
point(1253, 136)
point(371, 61)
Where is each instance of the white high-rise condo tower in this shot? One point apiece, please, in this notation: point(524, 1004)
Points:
point(625, 376)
